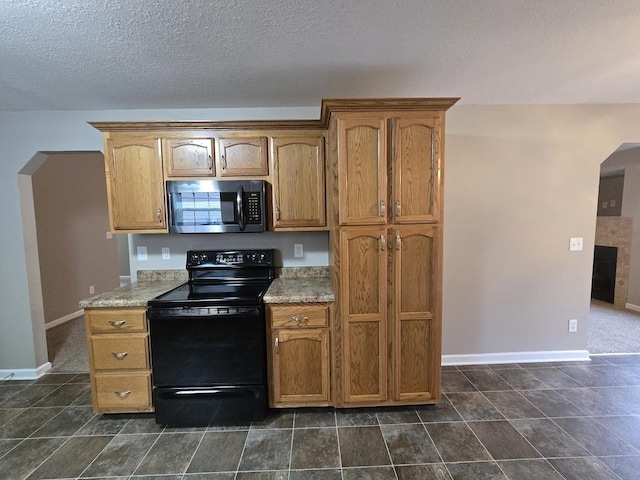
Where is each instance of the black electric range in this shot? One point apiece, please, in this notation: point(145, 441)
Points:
point(208, 341)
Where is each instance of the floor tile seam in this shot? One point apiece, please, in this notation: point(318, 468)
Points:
point(519, 433)
point(584, 446)
point(195, 450)
point(22, 440)
point(339, 449)
point(435, 446)
point(605, 466)
point(244, 448)
point(386, 446)
point(556, 390)
point(49, 456)
point(521, 396)
point(145, 455)
point(97, 455)
point(51, 420)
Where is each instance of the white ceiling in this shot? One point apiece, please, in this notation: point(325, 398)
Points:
point(98, 54)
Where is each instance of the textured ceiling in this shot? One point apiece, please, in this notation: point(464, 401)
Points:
point(96, 54)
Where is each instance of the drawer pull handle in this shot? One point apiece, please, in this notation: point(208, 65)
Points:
point(297, 319)
point(119, 355)
point(124, 394)
point(277, 345)
point(117, 323)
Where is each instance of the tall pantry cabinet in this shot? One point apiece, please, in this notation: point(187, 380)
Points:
point(384, 189)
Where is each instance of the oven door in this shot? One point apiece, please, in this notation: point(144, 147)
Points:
point(208, 364)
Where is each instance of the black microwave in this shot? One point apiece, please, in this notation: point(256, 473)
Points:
point(216, 206)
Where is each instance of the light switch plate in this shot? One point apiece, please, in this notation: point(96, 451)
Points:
point(298, 250)
point(166, 253)
point(575, 244)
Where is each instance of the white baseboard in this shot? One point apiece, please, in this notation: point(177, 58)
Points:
point(516, 357)
point(631, 306)
point(61, 320)
point(25, 373)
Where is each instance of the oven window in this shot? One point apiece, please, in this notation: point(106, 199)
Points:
point(209, 350)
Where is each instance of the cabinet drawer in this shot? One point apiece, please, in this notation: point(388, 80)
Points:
point(123, 391)
point(291, 316)
point(117, 352)
point(116, 320)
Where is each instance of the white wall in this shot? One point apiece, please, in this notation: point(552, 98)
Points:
point(520, 180)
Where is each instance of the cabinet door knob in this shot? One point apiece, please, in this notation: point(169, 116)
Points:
point(209, 162)
point(383, 243)
point(277, 345)
point(398, 241)
point(117, 323)
point(119, 355)
point(123, 394)
point(159, 215)
point(277, 213)
point(224, 162)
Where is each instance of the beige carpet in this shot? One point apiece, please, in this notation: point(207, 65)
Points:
point(67, 347)
point(612, 329)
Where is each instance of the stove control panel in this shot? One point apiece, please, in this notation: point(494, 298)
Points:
point(221, 258)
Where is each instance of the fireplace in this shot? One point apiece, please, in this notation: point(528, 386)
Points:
point(603, 282)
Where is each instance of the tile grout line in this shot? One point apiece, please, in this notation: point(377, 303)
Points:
point(434, 443)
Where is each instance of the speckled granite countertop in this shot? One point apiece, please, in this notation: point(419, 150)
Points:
point(292, 285)
point(300, 285)
point(150, 284)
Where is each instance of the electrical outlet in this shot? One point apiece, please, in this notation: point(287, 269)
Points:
point(142, 254)
point(298, 250)
point(92, 290)
point(166, 253)
point(573, 325)
point(575, 244)
point(109, 235)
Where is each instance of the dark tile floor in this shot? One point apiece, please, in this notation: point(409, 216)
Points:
point(547, 421)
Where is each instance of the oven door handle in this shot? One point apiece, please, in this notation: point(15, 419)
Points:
point(240, 208)
point(206, 392)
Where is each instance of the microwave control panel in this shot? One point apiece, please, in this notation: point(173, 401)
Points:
point(253, 207)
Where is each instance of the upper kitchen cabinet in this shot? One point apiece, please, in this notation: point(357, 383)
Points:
point(362, 169)
point(188, 157)
point(242, 156)
point(415, 168)
point(298, 182)
point(135, 183)
point(388, 167)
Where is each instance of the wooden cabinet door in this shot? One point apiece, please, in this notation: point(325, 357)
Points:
point(364, 306)
point(135, 184)
point(242, 157)
point(184, 157)
point(415, 345)
point(298, 182)
point(300, 372)
point(362, 169)
point(416, 170)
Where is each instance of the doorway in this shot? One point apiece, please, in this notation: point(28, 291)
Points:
point(614, 318)
point(63, 198)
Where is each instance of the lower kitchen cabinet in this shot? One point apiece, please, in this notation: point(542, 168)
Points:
point(119, 359)
point(298, 353)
